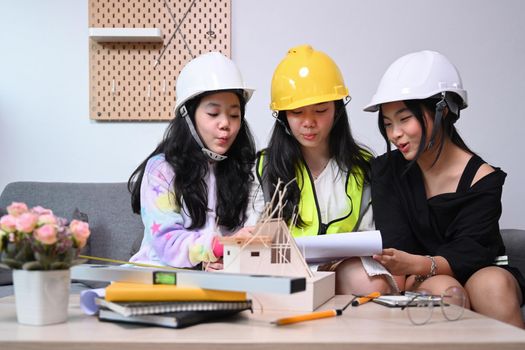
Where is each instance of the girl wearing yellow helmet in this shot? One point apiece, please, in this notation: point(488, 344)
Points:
point(312, 150)
point(436, 202)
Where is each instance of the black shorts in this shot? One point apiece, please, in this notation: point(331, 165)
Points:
point(519, 277)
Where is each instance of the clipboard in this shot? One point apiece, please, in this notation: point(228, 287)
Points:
point(401, 300)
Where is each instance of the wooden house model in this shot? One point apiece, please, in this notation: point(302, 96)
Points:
point(272, 251)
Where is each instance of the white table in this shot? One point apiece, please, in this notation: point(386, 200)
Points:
point(368, 326)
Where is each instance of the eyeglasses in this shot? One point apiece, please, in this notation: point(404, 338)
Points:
point(419, 309)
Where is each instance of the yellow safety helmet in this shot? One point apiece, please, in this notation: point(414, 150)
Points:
point(305, 77)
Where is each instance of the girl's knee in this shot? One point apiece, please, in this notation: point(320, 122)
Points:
point(494, 283)
point(491, 281)
point(436, 284)
point(361, 284)
point(352, 278)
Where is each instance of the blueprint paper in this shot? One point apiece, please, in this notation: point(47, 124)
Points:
point(87, 300)
point(329, 247)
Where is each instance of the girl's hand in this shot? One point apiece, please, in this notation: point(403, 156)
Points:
point(213, 266)
point(396, 261)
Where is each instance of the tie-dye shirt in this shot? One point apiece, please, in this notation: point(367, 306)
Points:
point(167, 241)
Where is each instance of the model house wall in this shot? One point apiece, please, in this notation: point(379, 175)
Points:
point(270, 251)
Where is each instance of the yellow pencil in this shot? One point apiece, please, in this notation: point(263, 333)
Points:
point(308, 317)
point(312, 315)
point(356, 300)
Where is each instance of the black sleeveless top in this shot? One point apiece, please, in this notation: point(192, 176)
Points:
point(470, 171)
point(461, 226)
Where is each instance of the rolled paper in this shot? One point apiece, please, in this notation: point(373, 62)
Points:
point(323, 248)
point(87, 300)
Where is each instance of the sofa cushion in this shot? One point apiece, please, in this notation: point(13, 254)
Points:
point(514, 240)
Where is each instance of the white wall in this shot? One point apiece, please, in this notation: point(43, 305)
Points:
point(46, 135)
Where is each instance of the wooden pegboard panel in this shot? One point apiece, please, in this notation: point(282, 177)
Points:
point(124, 84)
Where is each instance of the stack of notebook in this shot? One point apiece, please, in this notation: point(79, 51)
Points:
point(168, 305)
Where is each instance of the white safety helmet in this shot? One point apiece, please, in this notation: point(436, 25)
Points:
point(208, 72)
point(211, 71)
point(418, 76)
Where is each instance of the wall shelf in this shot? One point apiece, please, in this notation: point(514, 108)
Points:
point(126, 35)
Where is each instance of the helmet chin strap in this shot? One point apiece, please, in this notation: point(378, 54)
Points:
point(275, 114)
point(446, 102)
point(212, 155)
point(440, 107)
point(346, 101)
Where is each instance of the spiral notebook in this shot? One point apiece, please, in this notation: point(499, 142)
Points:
point(171, 319)
point(132, 308)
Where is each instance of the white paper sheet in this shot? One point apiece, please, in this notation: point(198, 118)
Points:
point(341, 245)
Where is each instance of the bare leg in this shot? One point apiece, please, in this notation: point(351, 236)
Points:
point(351, 278)
point(495, 293)
point(436, 285)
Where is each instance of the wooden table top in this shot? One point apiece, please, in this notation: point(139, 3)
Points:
point(369, 326)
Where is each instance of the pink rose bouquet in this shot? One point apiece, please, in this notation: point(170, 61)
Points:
point(36, 239)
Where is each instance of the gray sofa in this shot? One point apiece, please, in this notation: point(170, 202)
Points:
point(116, 232)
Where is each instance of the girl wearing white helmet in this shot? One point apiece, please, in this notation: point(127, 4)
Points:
point(437, 203)
point(312, 150)
point(195, 185)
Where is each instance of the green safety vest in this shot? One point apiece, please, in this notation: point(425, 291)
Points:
point(309, 207)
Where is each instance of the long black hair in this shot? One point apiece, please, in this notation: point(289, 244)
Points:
point(190, 165)
point(445, 125)
point(283, 156)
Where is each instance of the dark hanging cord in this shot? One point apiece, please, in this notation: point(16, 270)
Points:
point(275, 114)
point(338, 113)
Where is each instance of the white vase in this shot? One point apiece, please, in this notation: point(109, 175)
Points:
point(42, 297)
